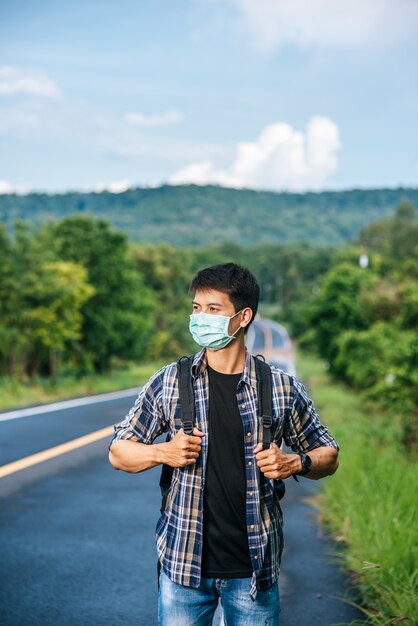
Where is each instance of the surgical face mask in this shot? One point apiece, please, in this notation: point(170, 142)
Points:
point(211, 331)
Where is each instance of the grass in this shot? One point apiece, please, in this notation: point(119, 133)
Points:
point(370, 504)
point(14, 394)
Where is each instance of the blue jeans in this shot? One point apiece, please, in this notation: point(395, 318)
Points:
point(188, 606)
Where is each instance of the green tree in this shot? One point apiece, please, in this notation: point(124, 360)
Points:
point(337, 307)
point(165, 270)
point(41, 302)
point(118, 319)
point(395, 238)
point(383, 362)
point(24, 256)
point(58, 293)
point(7, 336)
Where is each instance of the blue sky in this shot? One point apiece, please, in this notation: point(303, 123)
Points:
point(269, 94)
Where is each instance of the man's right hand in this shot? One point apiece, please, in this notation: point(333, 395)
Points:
point(182, 450)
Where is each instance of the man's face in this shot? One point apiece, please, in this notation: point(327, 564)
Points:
point(216, 302)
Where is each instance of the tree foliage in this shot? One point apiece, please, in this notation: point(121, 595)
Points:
point(364, 321)
point(195, 216)
point(165, 271)
point(337, 307)
point(395, 237)
point(117, 319)
point(41, 303)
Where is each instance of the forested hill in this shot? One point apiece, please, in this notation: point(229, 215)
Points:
point(191, 215)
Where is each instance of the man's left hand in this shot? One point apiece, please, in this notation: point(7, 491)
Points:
point(274, 463)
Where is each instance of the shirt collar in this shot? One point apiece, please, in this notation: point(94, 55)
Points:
point(200, 363)
point(248, 377)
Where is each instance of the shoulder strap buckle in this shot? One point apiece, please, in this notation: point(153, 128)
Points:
point(267, 421)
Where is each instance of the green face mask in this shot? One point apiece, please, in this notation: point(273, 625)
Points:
point(211, 331)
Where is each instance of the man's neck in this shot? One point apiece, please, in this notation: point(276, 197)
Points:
point(229, 360)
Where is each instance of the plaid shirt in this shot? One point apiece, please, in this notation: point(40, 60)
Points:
point(179, 531)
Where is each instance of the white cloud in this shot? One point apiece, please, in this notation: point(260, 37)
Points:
point(273, 23)
point(150, 121)
point(8, 188)
point(116, 187)
point(14, 81)
point(282, 158)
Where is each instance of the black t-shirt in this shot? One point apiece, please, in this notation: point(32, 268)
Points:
point(225, 541)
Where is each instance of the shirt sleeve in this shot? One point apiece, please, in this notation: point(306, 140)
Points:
point(303, 429)
point(145, 421)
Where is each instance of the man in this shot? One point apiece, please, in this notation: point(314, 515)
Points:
point(220, 535)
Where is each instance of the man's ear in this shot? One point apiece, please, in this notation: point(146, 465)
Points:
point(246, 317)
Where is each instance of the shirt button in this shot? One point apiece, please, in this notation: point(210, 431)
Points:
point(251, 493)
point(252, 526)
point(249, 463)
point(248, 434)
point(256, 557)
point(243, 406)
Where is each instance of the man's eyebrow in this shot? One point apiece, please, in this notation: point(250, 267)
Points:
point(209, 303)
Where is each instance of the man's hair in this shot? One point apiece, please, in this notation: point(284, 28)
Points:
point(235, 280)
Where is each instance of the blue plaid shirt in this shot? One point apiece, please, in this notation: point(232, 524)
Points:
point(179, 531)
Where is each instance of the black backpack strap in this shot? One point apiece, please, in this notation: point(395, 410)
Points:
point(186, 397)
point(186, 393)
point(264, 393)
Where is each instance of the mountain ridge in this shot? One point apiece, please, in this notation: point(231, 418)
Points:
point(194, 215)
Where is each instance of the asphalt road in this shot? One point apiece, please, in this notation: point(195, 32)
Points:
point(266, 335)
point(77, 537)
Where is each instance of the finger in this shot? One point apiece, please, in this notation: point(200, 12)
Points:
point(193, 441)
point(263, 454)
point(266, 454)
point(264, 466)
point(278, 452)
point(198, 432)
point(188, 462)
point(267, 465)
point(260, 450)
point(191, 458)
point(269, 468)
point(194, 448)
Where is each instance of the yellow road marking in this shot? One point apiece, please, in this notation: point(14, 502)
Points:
point(34, 459)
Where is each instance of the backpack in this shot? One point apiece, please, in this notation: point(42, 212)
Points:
point(186, 397)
